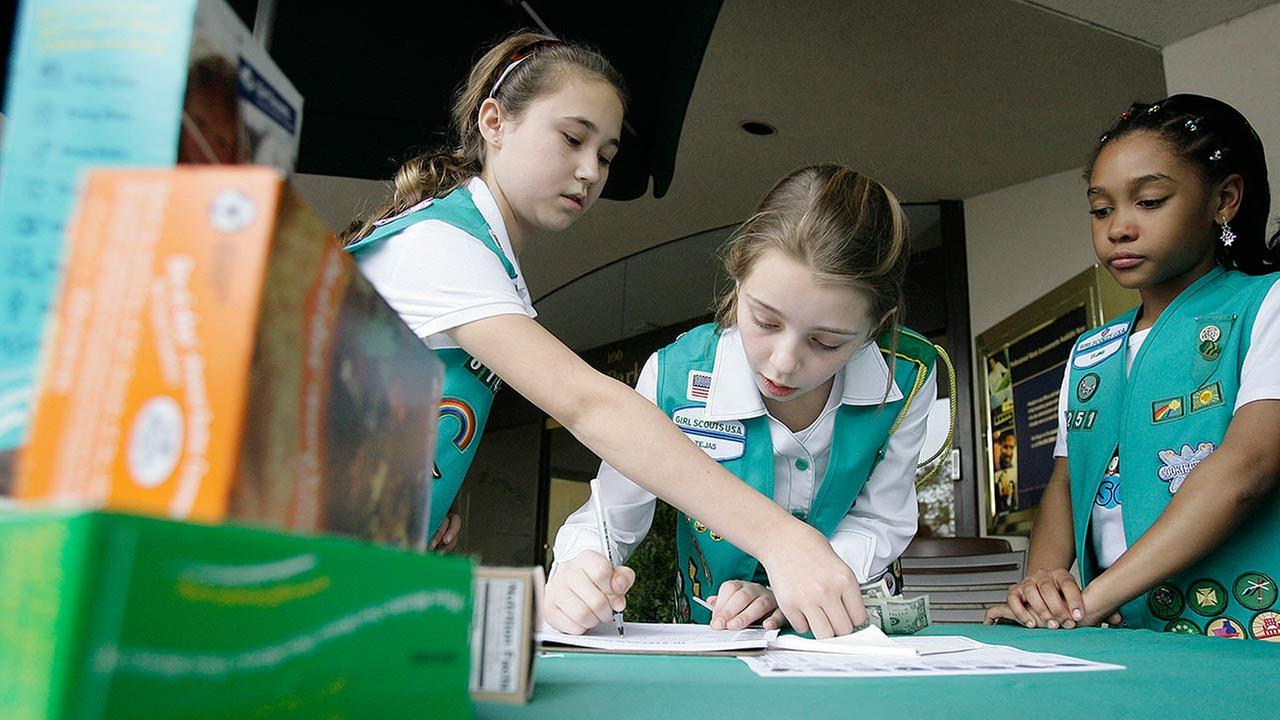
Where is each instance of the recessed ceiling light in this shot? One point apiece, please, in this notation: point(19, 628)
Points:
point(755, 127)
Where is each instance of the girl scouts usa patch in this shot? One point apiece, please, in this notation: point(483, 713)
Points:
point(1100, 345)
point(721, 439)
point(1106, 334)
point(1093, 357)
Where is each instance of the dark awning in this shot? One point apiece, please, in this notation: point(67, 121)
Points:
point(378, 76)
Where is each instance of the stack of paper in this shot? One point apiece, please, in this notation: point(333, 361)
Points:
point(660, 639)
point(866, 653)
point(872, 641)
point(984, 660)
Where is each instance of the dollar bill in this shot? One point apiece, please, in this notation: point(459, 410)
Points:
point(894, 614)
point(875, 590)
point(898, 616)
point(874, 616)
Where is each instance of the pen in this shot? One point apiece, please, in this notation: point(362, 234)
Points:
point(606, 547)
point(707, 605)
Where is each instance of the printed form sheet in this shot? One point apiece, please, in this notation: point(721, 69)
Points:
point(664, 638)
point(986, 660)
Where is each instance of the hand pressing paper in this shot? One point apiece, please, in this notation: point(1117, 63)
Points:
point(870, 640)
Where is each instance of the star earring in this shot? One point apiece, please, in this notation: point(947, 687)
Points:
point(1227, 236)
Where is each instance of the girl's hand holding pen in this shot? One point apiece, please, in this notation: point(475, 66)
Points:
point(586, 591)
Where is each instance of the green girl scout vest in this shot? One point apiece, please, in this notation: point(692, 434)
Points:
point(743, 446)
point(1166, 416)
point(469, 386)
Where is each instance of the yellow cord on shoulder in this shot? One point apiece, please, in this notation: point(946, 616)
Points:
point(951, 428)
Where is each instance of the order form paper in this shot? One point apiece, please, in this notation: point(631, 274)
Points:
point(986, 660)
point(666, 638)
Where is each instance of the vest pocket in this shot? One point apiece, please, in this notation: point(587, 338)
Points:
point(1212, 334)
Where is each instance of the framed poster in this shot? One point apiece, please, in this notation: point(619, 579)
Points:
point(1022, 360)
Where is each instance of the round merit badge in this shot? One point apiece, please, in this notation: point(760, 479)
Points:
point(1225, 627)
point(1255, 591)
point(1207, 597)
point(1209, 350)
point(1087, 386)
point(1182, 626)
point(1266, 626)
point(1165, 602)
point(1210, 333)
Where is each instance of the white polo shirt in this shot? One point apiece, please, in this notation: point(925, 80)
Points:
point(437, 277)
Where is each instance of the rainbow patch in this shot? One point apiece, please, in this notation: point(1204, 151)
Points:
point(466, 417)
point(1168, 409)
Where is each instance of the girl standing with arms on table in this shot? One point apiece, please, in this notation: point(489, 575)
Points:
point(805, 387)
point(535, 129)
point(1167, 458)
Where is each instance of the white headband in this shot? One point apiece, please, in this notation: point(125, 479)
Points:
point(507, 72)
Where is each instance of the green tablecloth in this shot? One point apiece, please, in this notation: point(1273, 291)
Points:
point(1167, 676)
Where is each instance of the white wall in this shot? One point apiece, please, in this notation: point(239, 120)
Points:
point(1027, 238)
point(339, 200)
point(1022, 241)
point(1238, 62)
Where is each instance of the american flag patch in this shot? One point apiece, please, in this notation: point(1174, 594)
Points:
point(699, 385)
